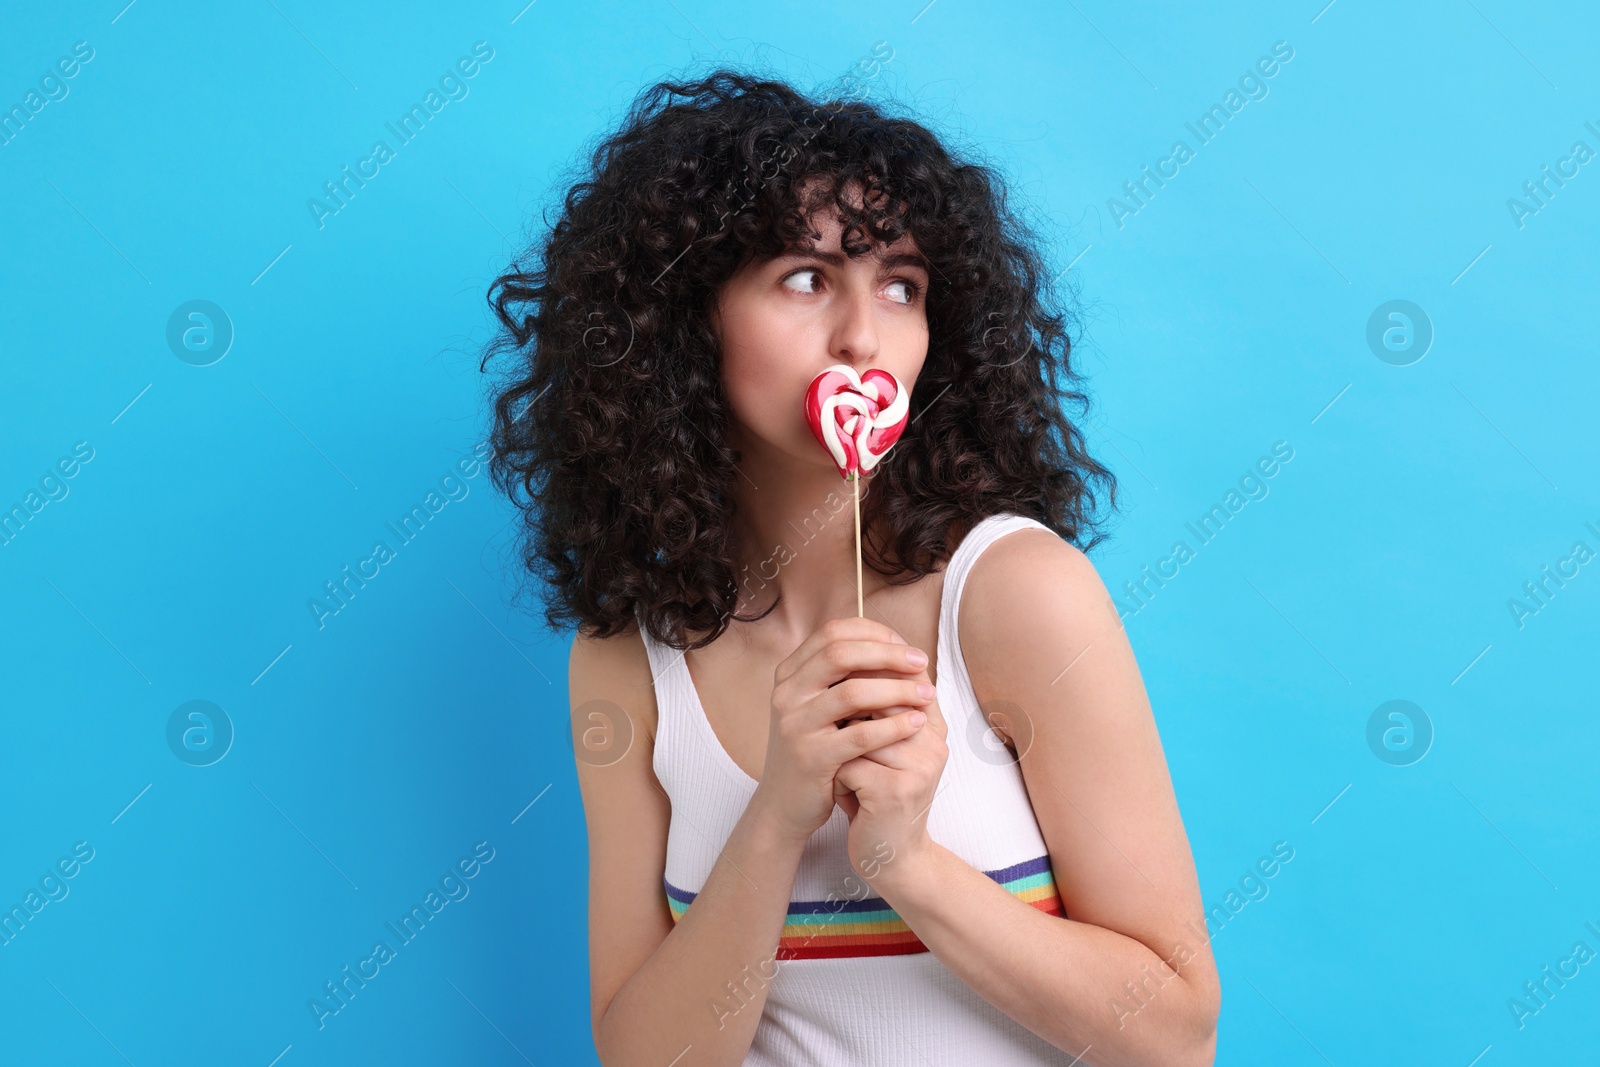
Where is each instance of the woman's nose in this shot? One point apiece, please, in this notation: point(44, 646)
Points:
point(855, 337)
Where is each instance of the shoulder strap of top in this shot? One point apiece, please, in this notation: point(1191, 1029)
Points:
point(653, 648)
point(980, 537)
point(664, 664)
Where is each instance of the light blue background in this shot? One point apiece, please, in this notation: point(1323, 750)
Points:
point(1229, 313)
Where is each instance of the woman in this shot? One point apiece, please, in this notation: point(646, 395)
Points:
point(941, 833)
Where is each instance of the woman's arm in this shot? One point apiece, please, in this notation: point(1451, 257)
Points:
point(1129, 977)
point(689, 994)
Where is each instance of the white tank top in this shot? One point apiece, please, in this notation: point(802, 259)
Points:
point(850, 984)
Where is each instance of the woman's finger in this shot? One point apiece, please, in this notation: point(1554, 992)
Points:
point(897, 755)
point(858, 698)
point(862, 774)
point(852, 741)
point(838, 660)
point(847, 630)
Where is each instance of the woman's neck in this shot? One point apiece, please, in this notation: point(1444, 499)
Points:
point(794, 534)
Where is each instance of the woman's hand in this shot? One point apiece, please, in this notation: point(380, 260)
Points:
point(887, 793)
point(813, 693)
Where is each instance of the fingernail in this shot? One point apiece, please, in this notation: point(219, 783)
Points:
point(924, 689)
point(918, 718)
point(916, 657)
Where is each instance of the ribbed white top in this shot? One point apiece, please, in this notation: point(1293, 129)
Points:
point(858, 1007)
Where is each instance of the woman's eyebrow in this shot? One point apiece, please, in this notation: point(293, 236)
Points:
point(895, 259)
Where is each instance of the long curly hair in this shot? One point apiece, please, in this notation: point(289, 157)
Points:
point(609, 424)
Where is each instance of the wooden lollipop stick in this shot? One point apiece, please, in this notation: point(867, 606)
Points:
point(861, 611)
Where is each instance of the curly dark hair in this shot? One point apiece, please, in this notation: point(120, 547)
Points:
point(609, 429)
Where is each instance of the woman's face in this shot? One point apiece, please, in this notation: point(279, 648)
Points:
point(782, 321)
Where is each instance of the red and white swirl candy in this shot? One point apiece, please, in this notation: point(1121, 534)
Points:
point(858, 418)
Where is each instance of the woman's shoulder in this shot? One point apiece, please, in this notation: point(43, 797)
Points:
point(1031, 585)
point(1031, 597)
point(612, 687)
point(1029, 560)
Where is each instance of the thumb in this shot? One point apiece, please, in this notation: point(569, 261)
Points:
point(845, 799)
point(858, 774)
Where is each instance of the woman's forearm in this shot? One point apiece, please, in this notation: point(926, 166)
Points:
point(700, 994)
point(1088, 990)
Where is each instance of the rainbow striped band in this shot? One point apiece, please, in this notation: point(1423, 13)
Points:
point(834, 929)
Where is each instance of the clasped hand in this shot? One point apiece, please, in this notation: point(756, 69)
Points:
point(845, 732)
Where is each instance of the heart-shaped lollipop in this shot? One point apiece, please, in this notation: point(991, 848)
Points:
point(858, 418)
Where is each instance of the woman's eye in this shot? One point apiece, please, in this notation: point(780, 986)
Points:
point(799, 273)
point(910, 287)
